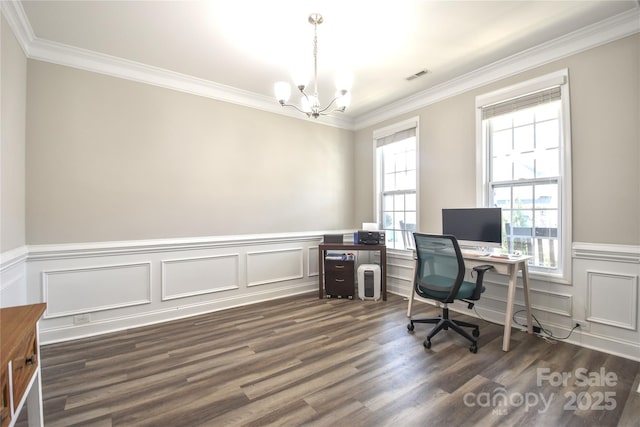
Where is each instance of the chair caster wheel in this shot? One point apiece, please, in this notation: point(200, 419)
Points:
point(476, 333)
point(410, 327)
point(473, 348)
point(427, 344)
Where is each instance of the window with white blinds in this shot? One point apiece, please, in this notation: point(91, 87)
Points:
point(396, 183)
point(524, 144)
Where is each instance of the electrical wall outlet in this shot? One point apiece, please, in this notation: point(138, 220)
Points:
point(583, 325)
point(80, 319)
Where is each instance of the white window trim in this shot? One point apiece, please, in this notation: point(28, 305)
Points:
point(381, 133)
point(561, 78)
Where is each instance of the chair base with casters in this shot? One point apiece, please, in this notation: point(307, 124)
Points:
point(444, 322)
point(440, 276)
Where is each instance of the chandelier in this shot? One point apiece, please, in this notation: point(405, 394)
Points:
point(310, 103)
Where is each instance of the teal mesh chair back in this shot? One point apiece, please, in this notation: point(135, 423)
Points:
point(440, 273)
point(440, 267)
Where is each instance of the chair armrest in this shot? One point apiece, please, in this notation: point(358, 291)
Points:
point(480, 270)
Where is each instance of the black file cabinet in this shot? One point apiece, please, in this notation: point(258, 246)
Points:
point(339, 278)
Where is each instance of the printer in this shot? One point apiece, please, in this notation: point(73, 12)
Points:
point(366, 237)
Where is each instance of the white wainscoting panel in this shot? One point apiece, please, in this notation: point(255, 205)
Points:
point(199, 275)
point(88, 289)
point(274, 266)
point(612, 299)
point(399, 272)
point(606, 297)
point(312, 255)
point(99, 287)
point(550, 302)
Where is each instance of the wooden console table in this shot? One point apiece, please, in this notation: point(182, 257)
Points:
point(20, 364)
point(346, 247)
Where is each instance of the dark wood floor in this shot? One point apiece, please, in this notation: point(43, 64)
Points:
point(305, 361)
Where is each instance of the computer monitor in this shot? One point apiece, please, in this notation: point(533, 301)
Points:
point(474, 227)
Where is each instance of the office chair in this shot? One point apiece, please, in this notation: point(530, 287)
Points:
point(439, 275)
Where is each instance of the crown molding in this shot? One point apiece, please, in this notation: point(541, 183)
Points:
point(16, 18)
point(606, 31)
point(61, 54)
point(57, 53)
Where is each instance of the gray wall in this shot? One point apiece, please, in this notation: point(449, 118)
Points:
point(605, 119)
point(110, 159)
point(12, 151)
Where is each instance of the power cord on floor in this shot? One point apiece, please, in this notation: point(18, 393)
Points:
point(479, 316)
point(544, 333)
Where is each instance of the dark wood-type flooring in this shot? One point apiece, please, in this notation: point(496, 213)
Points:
point(338, 362)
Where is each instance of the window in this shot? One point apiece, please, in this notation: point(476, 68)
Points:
point(524, 145)
point(396, 183)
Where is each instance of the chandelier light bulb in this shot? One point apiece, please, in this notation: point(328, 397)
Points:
point(343, 99)
point(305, 105)
point(282, 91)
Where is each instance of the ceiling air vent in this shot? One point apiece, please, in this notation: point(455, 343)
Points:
point(416, 75)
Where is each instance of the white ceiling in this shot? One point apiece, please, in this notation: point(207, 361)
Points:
point(250, 44)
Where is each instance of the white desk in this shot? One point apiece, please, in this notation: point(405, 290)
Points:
point(509, 267)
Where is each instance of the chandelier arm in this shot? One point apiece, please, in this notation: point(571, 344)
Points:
point(291, 105)
point(304, 94)
point(329, 106)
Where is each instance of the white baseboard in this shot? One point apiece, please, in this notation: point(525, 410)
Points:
point(70, 332)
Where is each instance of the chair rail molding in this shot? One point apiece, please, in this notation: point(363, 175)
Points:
point(13, 270)
point(607, 252)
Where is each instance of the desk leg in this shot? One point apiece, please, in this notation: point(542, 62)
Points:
point(412, 291)
point(321, 274)
point(513, 279)
point(34, 402)
point(410, 305)
point(383, 263)
point(527, 301)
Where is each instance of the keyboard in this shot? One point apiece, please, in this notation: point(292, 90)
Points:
point(474, 253)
